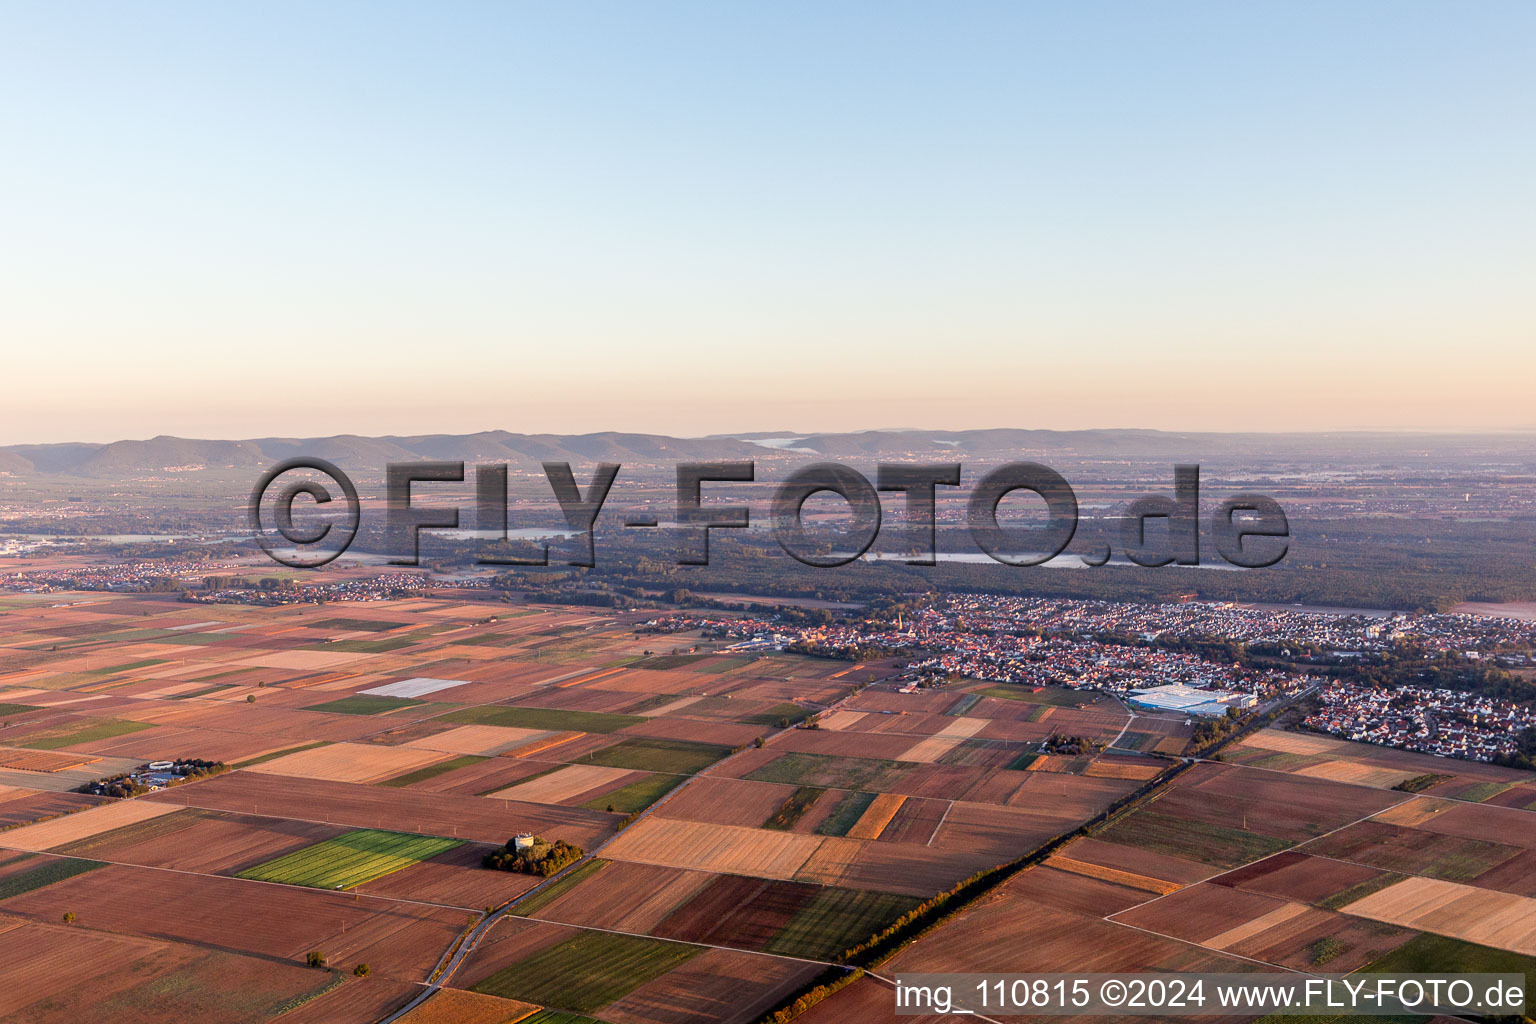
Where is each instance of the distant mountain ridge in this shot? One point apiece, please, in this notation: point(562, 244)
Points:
point(165, 454)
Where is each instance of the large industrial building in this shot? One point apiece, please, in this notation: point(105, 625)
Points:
point(1190, 700)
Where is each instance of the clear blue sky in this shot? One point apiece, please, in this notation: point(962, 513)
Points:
point(241, 220)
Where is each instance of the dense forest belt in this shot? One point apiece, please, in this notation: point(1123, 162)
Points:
point(1388, 563)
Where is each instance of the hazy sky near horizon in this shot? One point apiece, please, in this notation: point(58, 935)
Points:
point(223, 220)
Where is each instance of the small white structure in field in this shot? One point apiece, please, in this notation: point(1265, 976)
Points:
point(522, 841)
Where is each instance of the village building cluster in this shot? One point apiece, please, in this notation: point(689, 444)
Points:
point(1450, 723)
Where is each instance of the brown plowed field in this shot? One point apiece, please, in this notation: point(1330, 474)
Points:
point(405, 810)
point(25, 805)
point(1487, 822)
point(999, 832)
point(692, 731)
point(1516, 875)
point(564, 784)
point(41, 760)
point(455, 1006)
point(844, 744)
point(876, 816)
point(355, 1002)
point(1138, 861)
point(1013, 935)
point(1095, 897)
point(477, 739)
point(936, 781)
point(893, 867)
point(208, 842)
point(722, 913)
point(626, 897)
point(47, 961)
point(71, 827)
point(996, 787)
point(94, 976)
point(510, 939)
point(349, 762)
point(168, 742)
point(454, 877)
point(1460, 911)
point(1296, 876)
point(1516, 796)
point(1202, 912)
point(398, 940)
point(483, 777)
point(716, 987)
point(1290, 944)
point(1268, 803)
point(722, 801)
point(1071, 797)
point(1119, 878)
point(1106, 769)
point(1414, 850)
point(718, 848)
point(867, 1001)
point(915, 821)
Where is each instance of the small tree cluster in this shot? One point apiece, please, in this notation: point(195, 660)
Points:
point(543, 859)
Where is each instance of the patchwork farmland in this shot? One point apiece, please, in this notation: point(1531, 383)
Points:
point(729, 860)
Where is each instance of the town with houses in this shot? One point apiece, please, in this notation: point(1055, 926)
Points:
point(1118, 647)
point(1450, 723)
point(1158, 656)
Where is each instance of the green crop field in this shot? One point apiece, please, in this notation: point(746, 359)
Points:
point(829, 772)
point(384, 646)
point(17, 709)
point(588, 971)
point(541, 718)
point(964, 704)
point(724, 664)
point(90, 730)
point(215, 688)
point(1194, 840)
point(636, 796)
point(138, 832)
point(648, 755)
point(558, 1017)
point(1483, 791)
point(778, 715)
point(55, 870)
point(1360, 890)
point(127, 666)
point(357, 625)
point(848, 811)
point(666, 662)
point(1056, 696)
point(1414, 852)
point(432, 771)
point(559, 887)
point(350, 860)
point(1427, 953)
point(837, 919)
point(364, 704)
